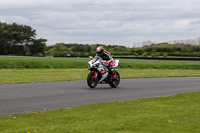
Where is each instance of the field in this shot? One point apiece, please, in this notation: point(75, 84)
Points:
point(10, 76)
point(178, 113)
point(81, 63)
point(39, 69)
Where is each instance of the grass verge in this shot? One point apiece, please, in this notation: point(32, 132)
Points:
point(81, 63)
point(178, 113)
point(9, 76)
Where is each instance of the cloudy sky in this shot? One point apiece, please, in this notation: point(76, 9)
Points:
point(120, 22)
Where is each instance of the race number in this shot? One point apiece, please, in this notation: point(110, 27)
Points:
point(93, 60)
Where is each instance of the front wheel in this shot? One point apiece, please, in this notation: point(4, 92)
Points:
point(92, 82)
point(115, 83)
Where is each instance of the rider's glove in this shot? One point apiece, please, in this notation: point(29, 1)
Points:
point(106, 63)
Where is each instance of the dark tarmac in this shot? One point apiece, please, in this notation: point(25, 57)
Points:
point(20, 98)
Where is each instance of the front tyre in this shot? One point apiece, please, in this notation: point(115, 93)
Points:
point(91, 81)
point(116, 82)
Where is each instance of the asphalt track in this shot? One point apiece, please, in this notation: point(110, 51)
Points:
point(20, 98)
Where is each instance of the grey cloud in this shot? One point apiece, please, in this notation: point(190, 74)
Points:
point(107, 20)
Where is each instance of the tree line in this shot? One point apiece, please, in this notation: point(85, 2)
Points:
point(18, 39)
point(178, 49)
point(75, 49)
point(160, 49)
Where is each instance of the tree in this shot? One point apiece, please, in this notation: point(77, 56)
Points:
point(38, 46)
point(19, 40)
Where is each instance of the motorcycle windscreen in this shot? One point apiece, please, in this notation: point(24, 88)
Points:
point(116, 63)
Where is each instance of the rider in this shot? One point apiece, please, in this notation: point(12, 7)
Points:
point(105, 55)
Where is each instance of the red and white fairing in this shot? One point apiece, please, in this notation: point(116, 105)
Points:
point(103, 70)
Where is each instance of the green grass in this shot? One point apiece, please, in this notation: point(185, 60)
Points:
point(44, 69)
point(81, 63)
point(159, 64)
point(178, 114)
point(9, 76)
point(41, 62)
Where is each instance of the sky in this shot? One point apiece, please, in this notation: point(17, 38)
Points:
point(111, 22)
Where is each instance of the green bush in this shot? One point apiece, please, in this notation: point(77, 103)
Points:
point(165, 55)
point(144, 54)
point(136, 54)
point(153, 55)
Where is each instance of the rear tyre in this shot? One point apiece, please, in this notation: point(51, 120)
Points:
point(91, 81)
point(115, 82)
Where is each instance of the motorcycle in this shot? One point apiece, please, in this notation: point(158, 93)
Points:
point(100, 74)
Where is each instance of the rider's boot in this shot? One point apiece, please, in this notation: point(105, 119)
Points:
point(114, 75)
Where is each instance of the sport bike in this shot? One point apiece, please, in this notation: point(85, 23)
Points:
point(100, 74)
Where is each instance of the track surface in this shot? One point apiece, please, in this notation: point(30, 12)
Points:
point(19, 98)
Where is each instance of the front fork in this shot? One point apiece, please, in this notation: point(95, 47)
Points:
point(95, 74)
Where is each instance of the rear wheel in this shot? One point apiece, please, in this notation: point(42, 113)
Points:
point(92, 82)
point(115, 82)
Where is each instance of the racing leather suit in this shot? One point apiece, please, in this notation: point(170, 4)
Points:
point(107, 58)
point(108, 61)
